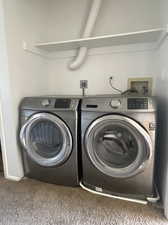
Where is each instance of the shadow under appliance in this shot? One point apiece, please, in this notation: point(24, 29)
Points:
point(118, 147)
point(48, 137)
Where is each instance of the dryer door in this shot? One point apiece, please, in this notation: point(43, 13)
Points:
point(46, 139)
point(118, 146)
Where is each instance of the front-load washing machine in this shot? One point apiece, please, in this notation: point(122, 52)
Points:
point(118, 146)
point(48, 137)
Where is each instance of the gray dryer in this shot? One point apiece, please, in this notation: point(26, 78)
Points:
point(48, 137)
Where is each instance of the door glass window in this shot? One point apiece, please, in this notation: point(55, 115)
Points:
point(46, 139)
point(116, 146)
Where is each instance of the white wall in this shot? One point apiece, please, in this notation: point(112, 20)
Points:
point(41, 20)
point(67, 20)
point(7, 128)
point(162, 94)
point(128, 15)
point(24, 20)
point(98, 68)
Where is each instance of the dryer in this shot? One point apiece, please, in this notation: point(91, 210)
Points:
point(48, 137)
point(118, 146)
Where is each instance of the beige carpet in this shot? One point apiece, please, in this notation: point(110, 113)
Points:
point(34, 203)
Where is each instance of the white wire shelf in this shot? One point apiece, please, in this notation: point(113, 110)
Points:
point(145, 36)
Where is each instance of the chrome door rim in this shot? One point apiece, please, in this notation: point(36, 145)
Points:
point(99, 164)
point(67, 140)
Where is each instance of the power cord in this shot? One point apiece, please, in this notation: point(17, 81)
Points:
point(114, 88)
point(129, 91)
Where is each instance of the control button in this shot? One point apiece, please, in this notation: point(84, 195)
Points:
point(115, 103)
point(45, 102)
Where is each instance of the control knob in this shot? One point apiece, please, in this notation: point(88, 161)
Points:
point(115, 103)
point(45, 102)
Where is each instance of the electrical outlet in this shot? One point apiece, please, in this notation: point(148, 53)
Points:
point(142, 86)
point(83, 84)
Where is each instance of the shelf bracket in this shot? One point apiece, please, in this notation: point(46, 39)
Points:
point(34, 51)
point(163, 37)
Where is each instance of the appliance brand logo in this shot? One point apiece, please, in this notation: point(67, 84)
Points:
point(152, 126)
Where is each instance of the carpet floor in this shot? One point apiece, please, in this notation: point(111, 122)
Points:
point(32, 202)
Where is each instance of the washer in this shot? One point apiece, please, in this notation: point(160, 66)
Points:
point(48, 137)
point(118, 146)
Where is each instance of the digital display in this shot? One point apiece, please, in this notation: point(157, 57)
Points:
point(137, 103)
point(62, 103)
point(91, 106)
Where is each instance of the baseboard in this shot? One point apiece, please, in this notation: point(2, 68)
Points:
point(13, 178)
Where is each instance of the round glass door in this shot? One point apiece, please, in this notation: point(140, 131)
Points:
point(46, 139)
point(118, 146)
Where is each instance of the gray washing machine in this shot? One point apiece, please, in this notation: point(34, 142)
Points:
point(118, 146)
point(48, 137)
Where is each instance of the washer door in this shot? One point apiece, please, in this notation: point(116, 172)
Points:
point(118, 146)
point(46, 139)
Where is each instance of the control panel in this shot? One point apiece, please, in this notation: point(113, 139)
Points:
point(62, 103)
point(137, 103)
point(119, 104)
